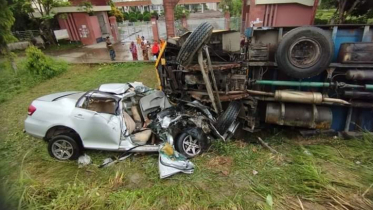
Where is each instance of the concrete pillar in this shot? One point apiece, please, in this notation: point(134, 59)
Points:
point(114, 28)
point(190, 7)
point(155, 29)
point(202, 8)
point(159, 9)
point(169, 7)
point(227, 17)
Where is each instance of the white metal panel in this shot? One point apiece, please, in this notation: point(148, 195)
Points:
point(231, 41)
point(303, 2)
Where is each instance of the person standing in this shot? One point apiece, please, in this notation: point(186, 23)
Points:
point(144, 49)
point(138, 40)
point(155, 49)
point(133, 50)
point(110, 47)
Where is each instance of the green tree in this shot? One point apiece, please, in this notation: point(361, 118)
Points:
point(87, 7)
point(45, 9)
point(180, 11)
point(362, 9)
point(116, 12)
point(233, 6)
point(6, 36)
point(6, 22)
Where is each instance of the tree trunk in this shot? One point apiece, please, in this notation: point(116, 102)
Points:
point(47, 32)
point(342, 6)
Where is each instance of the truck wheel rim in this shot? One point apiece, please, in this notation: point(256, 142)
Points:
point(191, 146)
point(62, 149)
point(304, 53)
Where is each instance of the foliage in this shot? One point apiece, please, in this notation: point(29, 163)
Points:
point(45, 8)
point(233, 6)
point(180, 11)
point(41, 66)
point(140, 17)
point(126, 16)
point(87, 7)
point(116, 12)
point(351, 11)
point(132, 16)
point(6, 22)
point(155, 14)
point(147, 17)
point(22, 18)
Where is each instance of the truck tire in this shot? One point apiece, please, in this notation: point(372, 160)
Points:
point(193, 43)
point(304, 52)
point(226, 119)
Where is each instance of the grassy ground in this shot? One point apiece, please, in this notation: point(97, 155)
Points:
point(316, 173)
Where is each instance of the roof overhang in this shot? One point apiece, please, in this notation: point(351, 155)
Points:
point(57, 10)
point(303, 2)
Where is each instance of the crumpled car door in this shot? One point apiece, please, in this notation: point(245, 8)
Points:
point(97, 130)
point(172, 162)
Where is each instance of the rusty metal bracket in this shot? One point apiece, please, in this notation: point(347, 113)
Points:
point(207, 81)
point(218, 102)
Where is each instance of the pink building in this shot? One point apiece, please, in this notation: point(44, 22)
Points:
point(278, 13)
point(88, 28)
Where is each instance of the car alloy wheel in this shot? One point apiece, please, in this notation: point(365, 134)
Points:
point(191, 146)
point(62, 149)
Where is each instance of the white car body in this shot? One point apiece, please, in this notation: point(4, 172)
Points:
point(101, 131)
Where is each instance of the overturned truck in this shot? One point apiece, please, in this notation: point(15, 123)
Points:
point(307, 77)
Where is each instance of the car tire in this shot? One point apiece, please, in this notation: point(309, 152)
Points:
point(292, 60)
point(196, 137)
point(226, 119)
point(193, 43)
point(66, 142)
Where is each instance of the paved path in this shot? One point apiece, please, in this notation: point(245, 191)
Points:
point(97, 53)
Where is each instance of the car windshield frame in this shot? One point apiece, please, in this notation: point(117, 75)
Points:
point(99, 95)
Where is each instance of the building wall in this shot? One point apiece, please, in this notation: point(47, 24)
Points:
point(95, 27)
point(293, 15)
point(276, 15)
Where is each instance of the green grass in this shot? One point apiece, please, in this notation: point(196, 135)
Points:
point(318, 172)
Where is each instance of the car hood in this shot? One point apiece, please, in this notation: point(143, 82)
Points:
point(56, 96)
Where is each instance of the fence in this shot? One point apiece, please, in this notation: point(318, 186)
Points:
point(26, 35)
point(129, 31)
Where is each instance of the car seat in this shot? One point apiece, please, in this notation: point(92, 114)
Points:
point(138, 136)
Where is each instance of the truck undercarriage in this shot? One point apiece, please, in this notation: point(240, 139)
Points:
point(282, 76)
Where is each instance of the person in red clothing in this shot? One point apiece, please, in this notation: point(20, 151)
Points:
point(133, 50)
point(155, 49)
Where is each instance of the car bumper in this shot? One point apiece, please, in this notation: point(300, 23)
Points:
point(34, 127)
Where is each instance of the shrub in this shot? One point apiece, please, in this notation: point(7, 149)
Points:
point(41, 66)
point(132, 17)
point(140, 17)
point(147, 17)
point(126, 16)
point(319, 21)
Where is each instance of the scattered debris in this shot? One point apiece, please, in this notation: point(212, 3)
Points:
point(110, 161)
point(267, 146)
point(300, 203)
point(307, 152)
point(84, 160)
point(367, 190)
point(255, 172)
point(172, 162)
point(358, 162)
